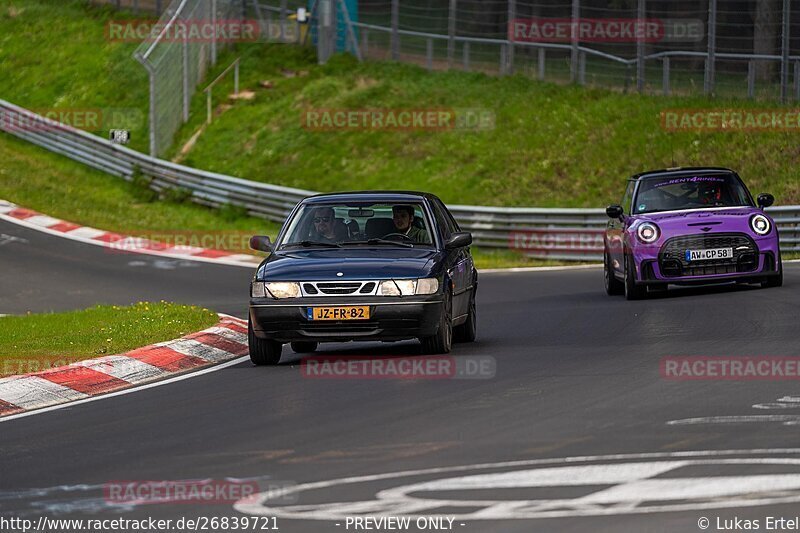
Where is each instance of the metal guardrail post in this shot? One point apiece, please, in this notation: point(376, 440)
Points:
point(665, 88)
point(429, 53)
point(582, 68)
point(364, 41)
point(503, 58)
point(708, 82)
point(465, 53)
point(640, 44)
point(785, 34)
point(573, 62)
point(751, 79)
point(395, 36)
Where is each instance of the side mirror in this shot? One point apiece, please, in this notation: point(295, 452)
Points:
point(765, 200)
point(459, 239)
point(261, 243)
point(614, 211)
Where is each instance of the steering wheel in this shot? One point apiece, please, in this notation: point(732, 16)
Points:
point(401, 235)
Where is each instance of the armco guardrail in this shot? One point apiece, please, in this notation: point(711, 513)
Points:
point(566, 234)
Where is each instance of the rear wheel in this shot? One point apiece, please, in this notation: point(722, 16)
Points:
point(613, 285)
point(468, 331)
point(442, 341)
point(262, 351)
point(304, 346)
point(775, 281)
point(632, 291)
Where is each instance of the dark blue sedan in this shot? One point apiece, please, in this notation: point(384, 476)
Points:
point(363, 266)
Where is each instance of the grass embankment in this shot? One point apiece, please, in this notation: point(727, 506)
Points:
point(31, 343)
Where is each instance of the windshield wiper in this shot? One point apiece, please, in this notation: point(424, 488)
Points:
point(381, 241)
point(312, 243)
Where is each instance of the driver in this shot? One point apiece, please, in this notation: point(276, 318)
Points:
point(403, 217)
point(710, 193)
point(325, 227)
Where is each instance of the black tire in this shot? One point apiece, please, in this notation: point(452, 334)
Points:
point(632, 291)
point(262, 351)
point(775, 281)
point(468, 331)
point(442, 341)
point(304, 346)
point(614, 286)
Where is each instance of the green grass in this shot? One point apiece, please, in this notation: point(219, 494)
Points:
point(59, 187)
point(55, 55)
point(36, 342)
point(553, 145)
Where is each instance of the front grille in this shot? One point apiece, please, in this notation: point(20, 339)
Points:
point(672, 257)
point(338, 288)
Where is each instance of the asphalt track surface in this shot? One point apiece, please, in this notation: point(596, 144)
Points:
point(577, 375)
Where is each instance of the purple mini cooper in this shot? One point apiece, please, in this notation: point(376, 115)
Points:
point(689, 226)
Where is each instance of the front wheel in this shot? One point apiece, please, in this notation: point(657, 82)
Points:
point(775, 281)
point(262, 351)
point(442, 341)
point(613, 285)
point(632, 291)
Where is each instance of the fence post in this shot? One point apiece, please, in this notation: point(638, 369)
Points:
point(451, 33)
point(573, 62)
point(797, 81)
point(503, 58)
point(429, 53)
point(214, 35)
point(395, 39)
point(641, 15)
point(185, 73)
point(541, 63)
point(751, 78)
point(582, 68)
point(364, 41)
point(512, 14)
point(465, 52)
point(708, 85)
point(153, 111)
point(324, 31)
point(665, 76)
point(785, 53)
point(282, 20)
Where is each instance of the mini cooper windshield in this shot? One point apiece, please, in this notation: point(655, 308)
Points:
point(690, 192)
point(358, 224)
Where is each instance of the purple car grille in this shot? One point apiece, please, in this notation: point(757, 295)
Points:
point(672, 257)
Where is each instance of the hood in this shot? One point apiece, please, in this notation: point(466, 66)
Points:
point(717, 220)
point(354, 263)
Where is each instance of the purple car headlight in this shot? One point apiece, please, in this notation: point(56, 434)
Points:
point(648, 232)
point(760, 224)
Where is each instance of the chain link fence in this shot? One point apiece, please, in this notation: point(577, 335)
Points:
point(728, 48)
point(183, 44)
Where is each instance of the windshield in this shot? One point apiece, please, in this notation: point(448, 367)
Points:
point(355, 224)
point(690, 192)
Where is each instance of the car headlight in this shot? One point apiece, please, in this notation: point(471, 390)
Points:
point(408, 287)
point(760, 224)
point(282, 289)
point(648, 232)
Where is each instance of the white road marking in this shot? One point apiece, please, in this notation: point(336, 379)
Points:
point(42, 220)
point(789, 420)
point(84, 235)
point(180, 377)
point(634, 490)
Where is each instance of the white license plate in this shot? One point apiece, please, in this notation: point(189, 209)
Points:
point(711, 253)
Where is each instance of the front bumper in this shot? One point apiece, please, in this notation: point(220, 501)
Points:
point(391, 319)
point(759, 261)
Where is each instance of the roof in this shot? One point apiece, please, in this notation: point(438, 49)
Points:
point(681, 171)
point(371, 196)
